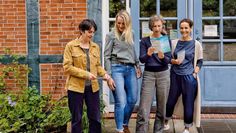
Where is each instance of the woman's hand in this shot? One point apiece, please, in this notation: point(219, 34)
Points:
point(138, 71)
point(92, 77)
point(111, 84)
point(150, 51)
point(196, 70)
point(160, 55)
point(106, 77)
point(175, 61)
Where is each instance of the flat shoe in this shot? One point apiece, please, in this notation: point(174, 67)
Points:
point(166, 127)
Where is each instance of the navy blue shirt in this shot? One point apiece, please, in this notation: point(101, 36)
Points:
point(152, 63)
point(186, 67)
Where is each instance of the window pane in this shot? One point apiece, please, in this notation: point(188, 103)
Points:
point(210, 29)
point(168, 9)
point(229, 29)
point(111, 25)
point(115, 6)
point(229, 8)
point(211, 51)
point(230, 51)
point(144, 30)
point(210, 8)
point(147, 8)
point(171, 28)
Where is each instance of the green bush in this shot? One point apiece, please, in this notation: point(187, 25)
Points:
point(27, 111)
point(31, 112)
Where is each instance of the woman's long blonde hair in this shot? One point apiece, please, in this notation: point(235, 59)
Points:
point(127, 33)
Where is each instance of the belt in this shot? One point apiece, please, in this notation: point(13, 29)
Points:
point(122, 63)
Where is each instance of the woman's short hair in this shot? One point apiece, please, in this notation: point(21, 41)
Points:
point(87, 24)
point(155, 18)
point(187, 20)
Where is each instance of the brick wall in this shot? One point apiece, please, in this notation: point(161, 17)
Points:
point(58, 25)
point(53, 80)
point(13, 26)
point(59, 21)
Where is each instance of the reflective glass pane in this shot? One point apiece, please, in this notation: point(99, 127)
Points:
point(229, 8)
point(229, 29)
point(147, 8)
point(168, 9)
point(211, 51)
point(115, 6)
point(171, 28)
point(230, 51)
point(111, 25)
point(144, 29)
point(210, 29)
point(210, 8)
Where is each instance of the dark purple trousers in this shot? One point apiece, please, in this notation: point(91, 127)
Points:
point(75, 101)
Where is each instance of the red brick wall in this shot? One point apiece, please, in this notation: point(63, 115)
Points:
point(13, 26)
point(53, 80)
point(59, 21)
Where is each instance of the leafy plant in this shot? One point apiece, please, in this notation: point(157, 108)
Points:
point(31, 112)
point(26, 110)
point(12, 70)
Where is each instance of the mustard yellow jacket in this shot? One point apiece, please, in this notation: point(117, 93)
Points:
point(74, 64)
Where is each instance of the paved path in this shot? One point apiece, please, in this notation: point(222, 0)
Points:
point(176, 126)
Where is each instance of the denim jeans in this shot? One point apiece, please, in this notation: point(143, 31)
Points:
point(153, 83)
point(125, 93)
point(75, 101)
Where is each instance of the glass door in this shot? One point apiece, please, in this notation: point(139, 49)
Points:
point(219, 47)
point(172, 11)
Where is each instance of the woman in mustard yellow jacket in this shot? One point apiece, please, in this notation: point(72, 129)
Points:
point(82, 65)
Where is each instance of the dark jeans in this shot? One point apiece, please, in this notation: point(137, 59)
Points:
point(75, 101)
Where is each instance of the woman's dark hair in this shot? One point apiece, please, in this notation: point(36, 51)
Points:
point(87, 24)
point(189, 21)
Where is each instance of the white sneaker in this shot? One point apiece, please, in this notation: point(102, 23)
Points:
point(166, 127)
point(186, 131)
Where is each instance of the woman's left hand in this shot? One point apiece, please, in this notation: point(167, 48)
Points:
point(160, 55)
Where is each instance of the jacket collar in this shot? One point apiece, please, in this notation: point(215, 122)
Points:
point(78, 43)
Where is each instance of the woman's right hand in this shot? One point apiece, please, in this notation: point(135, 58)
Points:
point(175, 61)
point(150, 51)
point(111, 84)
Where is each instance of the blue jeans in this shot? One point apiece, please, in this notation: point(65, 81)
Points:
point(125, 93)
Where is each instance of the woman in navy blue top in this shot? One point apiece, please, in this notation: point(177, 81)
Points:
point(156, 77)
point(186, 63)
